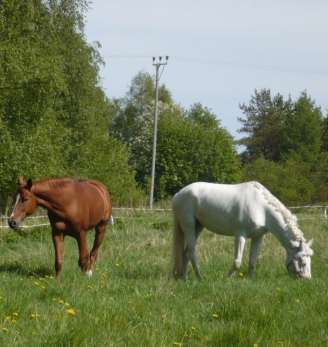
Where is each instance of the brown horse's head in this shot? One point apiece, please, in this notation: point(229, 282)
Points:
point(25, 203)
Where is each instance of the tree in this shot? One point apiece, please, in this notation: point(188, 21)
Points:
point(264, 122)
point(191, 145)
point(189, 152)
point(324, 142)
point(280, 129)
point(289, 181)
point(302, 133)
point(132, 122)
point(53, 114)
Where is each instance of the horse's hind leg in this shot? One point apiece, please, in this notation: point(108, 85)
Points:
point(191, 235)
point(84, 259)
point(100, 233)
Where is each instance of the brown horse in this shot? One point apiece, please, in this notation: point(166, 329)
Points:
point(74, 206)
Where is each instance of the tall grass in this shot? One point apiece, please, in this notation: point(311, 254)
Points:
point(132, 301)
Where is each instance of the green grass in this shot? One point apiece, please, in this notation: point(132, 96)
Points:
point(132, 301)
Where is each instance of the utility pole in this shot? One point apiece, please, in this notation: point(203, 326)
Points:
point(158, 63)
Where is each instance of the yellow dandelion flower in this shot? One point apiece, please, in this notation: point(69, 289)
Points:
point(71, 311)
point(61, 301)
point(34, 315)
point(241, 274)
point(215, 315)
point(15, 314)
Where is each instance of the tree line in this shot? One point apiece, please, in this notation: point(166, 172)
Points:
point(55, 120)
point(53, 114)
point(286, 146)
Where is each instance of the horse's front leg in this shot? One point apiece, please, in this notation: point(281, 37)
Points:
point(255, 246)
point(240, 241)
point(100, 233)
point(58, 241)
point(84, 259)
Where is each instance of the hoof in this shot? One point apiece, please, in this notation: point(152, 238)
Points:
point(88, 273)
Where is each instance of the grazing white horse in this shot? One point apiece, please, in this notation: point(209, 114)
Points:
point(245, 210)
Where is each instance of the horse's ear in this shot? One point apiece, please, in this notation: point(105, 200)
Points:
point(21, 181)
point(29, 184)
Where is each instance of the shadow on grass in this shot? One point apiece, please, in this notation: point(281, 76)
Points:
point(22, 270)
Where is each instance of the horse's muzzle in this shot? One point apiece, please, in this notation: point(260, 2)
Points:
point(13, 224)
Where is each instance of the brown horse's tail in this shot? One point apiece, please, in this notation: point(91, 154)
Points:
point(178, 249)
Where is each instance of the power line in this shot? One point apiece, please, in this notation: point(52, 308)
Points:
point(230, 63)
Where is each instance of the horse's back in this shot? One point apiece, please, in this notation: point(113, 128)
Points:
point(97, 193)
point(221, 208)
point(89, 202)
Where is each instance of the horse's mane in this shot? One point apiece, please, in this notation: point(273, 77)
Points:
point(55, 183)
point(289, 218)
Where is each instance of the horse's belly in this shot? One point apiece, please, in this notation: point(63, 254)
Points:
point(225, 223)
point(218, 225)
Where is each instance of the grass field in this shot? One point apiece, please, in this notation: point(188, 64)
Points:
point(132, 301)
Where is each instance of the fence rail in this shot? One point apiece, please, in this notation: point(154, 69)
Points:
point(42, 220)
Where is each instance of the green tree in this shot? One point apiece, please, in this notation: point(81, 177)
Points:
point(189, 152)
point(191, 145)
point(280, 129)
point(264, 121)
point(289, 181)
point(53, 114)
point(302, 133)
point(132, 122)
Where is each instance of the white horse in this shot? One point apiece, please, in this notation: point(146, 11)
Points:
point(245, 210)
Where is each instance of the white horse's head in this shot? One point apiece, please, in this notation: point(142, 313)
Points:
point(299, 259)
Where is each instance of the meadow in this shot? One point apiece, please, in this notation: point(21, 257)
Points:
point(131, 300)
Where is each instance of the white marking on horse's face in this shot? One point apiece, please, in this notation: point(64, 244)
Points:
point(16, 203)
point(88, 273)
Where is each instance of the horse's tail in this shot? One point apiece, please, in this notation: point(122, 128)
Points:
point(178, 249)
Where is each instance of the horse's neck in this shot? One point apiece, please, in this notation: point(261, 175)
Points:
point(282, 231)
point(42, 191)
point(282, 235)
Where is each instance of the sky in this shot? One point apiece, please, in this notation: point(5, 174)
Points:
point(219, 51)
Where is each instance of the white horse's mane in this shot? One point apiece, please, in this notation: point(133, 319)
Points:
point(289, 218)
